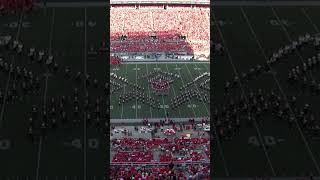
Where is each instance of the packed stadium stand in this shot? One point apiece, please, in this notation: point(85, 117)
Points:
point(179, 29)
point(143, 157)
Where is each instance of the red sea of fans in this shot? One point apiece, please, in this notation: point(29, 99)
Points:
point(169, 25)
point(115, 60)
point(135, 158)
point(160, 173)
point(148, 158)
point(165, 144)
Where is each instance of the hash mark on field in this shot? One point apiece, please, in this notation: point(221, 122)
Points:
point(224, 22)
point(164, 106)
point(192, 106)
point(134, 107)
point(285, 22)
point(174, 91)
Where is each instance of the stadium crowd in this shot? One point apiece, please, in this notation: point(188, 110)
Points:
point(185, 145)
point(151, 173)
point(173, 29)
point(150, 158)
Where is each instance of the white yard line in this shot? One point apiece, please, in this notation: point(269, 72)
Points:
point(124, 91)
point(304, 11)
point(243, 92)
point(9, 76)
point(280, 88)
point(241, 87)
point(85, 88)
point(163, 105)
point(49, 52)
point(174, 92)
point(290, 39)
point(299, 128)
point(45, 91)
point(149, 92)
point(208, 111)
point(194, 113)
point(136, 91)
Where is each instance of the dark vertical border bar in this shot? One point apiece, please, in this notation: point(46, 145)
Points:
point(107, 42)
point(212, 59)
point(85, 91)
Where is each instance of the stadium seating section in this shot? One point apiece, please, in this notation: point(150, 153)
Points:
point(152, 173)
point(136, 157)
point(176, 28)
point(137, 154)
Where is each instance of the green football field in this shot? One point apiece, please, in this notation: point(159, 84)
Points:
point(138, 110)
